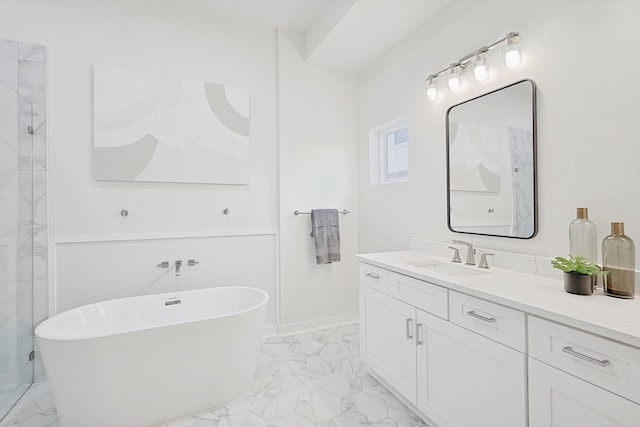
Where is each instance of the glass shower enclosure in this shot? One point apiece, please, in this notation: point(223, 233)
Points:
point(19, 226)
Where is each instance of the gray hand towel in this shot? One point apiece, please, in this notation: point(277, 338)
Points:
point(325, 230)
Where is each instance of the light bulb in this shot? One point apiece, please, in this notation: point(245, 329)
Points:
point(432, 90)
point(432, 94)
point(480, 69)
point(480, 72)
point(512, 58)
point(454, 82)
point(511, 51)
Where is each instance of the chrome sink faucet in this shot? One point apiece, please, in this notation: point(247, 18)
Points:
point(456, 254)
point(483, 260)
point(471, 260)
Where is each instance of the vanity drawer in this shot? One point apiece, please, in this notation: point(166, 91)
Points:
point(376, 278)
point(426, 296)
point(608, 364)
point(497, 322)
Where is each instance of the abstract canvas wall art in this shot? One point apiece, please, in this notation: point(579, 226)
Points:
point(158, 128)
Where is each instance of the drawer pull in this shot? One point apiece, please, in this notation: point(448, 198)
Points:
point(479, 317)
point(408, 330)
point(372, 275)
point(574, 353)
point(418, 327)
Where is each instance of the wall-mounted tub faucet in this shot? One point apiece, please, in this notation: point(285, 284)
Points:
point(178, 267)
point(471, 260)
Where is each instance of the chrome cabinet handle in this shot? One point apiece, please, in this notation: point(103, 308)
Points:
point(372, 275)
point(408, 328)
point(572, 352)
point(479, 317)
point(418, 327)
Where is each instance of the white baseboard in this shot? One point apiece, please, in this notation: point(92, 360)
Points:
point(294, 328)
point(270, 330)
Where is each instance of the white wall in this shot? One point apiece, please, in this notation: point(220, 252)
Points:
point(146, 36)
point(93, 271)
point(318, 155)
point(316, 118)
point(582, 56)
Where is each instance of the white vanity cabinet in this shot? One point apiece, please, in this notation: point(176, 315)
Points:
point(558, 399)
point(455, 376)
point(466, 379)
point(388, 319)
point(387, 340)
point(498, 349)
point(580, 379)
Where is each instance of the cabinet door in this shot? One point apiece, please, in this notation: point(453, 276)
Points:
point(467, 380)
point(387, 332)
point(557, 399)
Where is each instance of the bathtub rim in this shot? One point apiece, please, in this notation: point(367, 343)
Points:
point(39, 335)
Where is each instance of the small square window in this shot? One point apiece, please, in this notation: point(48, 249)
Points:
point(389, 152)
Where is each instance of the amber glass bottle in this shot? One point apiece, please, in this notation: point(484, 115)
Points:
point(618, 258)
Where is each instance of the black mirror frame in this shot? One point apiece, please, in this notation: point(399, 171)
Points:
point(535, 162)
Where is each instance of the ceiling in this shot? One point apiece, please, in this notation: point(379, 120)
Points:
point(345, 34)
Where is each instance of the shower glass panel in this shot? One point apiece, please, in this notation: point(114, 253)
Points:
point(16, 242)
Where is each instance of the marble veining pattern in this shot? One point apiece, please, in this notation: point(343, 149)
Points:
point(313, 379)
point(23, 225)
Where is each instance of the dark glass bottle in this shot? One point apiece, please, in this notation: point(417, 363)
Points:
point(618, 258)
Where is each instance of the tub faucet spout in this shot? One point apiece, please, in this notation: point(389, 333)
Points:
point(178, 267)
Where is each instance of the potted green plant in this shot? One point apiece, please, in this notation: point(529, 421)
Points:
point(579, 274)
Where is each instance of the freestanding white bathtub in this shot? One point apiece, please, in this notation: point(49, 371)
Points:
point(137, 361)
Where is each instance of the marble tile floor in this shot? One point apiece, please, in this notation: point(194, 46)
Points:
point(313, 379)
point(8, 398)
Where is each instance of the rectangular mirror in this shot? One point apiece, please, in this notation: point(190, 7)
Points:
point(491, 163)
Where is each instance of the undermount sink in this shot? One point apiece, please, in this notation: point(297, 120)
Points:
point(448, 269)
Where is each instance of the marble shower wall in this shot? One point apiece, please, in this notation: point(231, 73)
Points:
point(8, 237)
point(23, 192)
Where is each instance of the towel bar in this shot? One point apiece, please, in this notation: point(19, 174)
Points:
point(297, 212)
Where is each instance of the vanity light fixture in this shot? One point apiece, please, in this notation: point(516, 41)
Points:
point(512, 58)
point(511, 51)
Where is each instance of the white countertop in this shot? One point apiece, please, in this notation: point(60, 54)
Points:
point(618, 319)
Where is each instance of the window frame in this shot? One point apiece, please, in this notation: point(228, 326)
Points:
point(384, 146)
point(378, 154)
